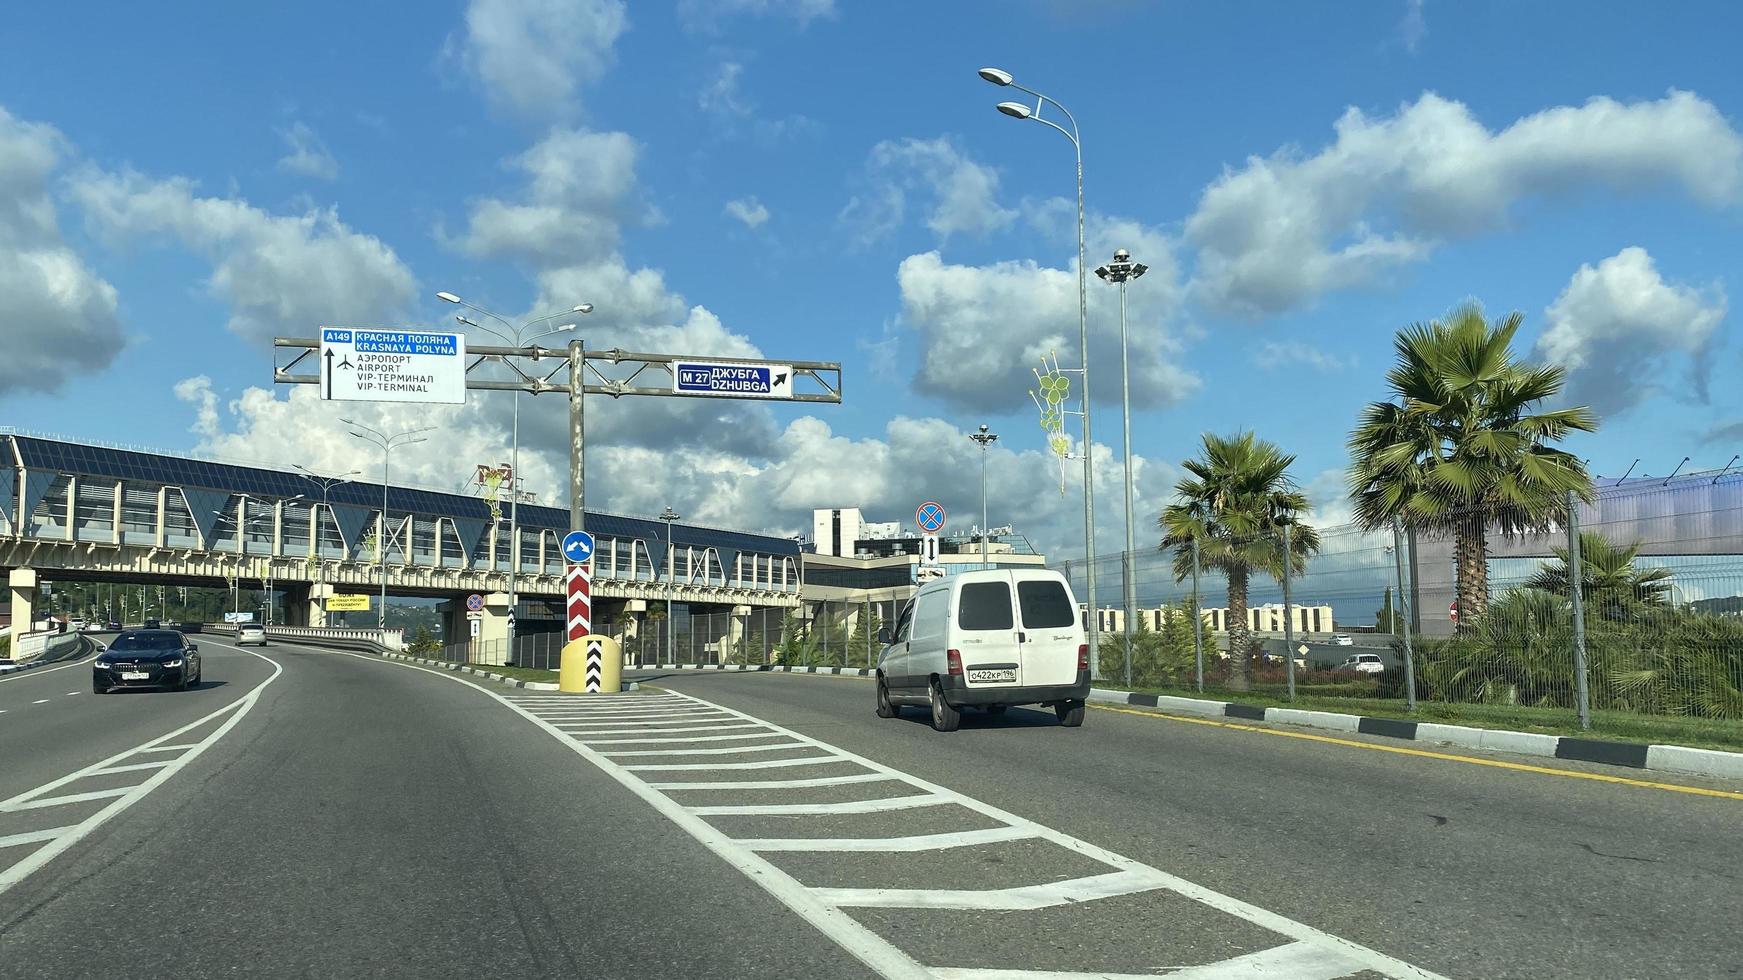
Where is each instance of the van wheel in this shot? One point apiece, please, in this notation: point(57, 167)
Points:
point(886, 709)
point(1070, 713)
point(944, 717)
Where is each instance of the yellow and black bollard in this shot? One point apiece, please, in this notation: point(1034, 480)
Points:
point(591, 665)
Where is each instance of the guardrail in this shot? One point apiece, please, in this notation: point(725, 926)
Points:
point(32, 646)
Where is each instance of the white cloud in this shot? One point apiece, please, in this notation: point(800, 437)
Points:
point(963, 194)
point(1283, 230)
point(1414, 26)
point(578, 193)
point(706, 15)
point(722, 95)
point(748, 210)
point(1619, 328)
point(308, 156)
point(983, 329)
point(56, 306)
point(280, 274)
point(533, 56)
point(1274, 355)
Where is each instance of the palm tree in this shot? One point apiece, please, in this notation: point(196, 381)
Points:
point(1459, 447)
point(1235, 505)
point(1609, 582)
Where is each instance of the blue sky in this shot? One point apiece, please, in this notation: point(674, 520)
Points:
point(822, 180)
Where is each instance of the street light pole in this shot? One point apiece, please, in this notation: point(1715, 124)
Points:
point(326, 483)
point(387, 443)
point(985, 439)
point(669, 515)
point(1020, 110)
point(1121, 270)
point(514, 337)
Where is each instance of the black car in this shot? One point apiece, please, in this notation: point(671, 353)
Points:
point(112, 626)
point(152, 624)
point(147, 658)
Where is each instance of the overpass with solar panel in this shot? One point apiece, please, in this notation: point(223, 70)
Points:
point(73, 511)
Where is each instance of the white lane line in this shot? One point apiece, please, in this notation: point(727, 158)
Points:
point(33, 836)
point(733, 750)
point(71, 694)
point(862, 943)
point(96, 794)
point(169, 748)
point(810, 760)
point(626, 715)
point(640, 740)
point(135, 767)
point(39, 671)
point(658, 730)
point(922, 842)
point(43, 701)
point(1297, 961)
point(864, 777)
point(1024, 898)
point(817, 809)
point(237, 709)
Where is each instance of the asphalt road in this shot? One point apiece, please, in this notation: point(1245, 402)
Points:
point(323, 814)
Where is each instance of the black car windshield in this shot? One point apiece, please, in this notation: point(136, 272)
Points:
point(153, 640)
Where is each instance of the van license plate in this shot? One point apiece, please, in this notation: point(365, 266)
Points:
point(992, 676)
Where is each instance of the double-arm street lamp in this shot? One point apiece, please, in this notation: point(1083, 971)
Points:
point(517, 337)
point(1120, 271)
point(1021, 110)
point(984, 438)
point(388, 444)
point(326, 483)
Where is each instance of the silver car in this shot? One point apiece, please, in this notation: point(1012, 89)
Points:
point(251, 633)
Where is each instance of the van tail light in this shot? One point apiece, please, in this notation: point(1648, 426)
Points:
point(1083, 656)
point(953, 660)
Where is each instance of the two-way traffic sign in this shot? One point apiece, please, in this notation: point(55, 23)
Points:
point(578, 547)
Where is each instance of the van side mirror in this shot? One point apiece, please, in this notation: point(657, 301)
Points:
point(885, 636)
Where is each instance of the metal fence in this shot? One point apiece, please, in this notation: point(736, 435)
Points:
point(1462, 612)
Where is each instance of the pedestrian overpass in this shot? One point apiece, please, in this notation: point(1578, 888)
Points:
point(84, 512)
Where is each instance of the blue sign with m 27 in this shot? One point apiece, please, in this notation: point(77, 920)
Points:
point(732, 380)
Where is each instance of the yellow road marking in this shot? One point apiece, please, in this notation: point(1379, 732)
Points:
point(1425, 754)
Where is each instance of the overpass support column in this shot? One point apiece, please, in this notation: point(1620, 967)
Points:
point(731, 645)
point(314, 615)
point(23, 583)
point(490, 646)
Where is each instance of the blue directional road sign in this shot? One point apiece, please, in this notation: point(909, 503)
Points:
point(930, 517)
point(732, 380)
point(578, 547)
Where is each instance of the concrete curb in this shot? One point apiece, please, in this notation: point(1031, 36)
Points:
point(1634, 755)
point(508, 681)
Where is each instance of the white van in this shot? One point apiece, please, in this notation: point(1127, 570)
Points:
point(989, 639)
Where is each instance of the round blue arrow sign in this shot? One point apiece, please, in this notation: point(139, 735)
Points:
point(578, 547)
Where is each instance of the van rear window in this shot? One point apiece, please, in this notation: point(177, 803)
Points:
point(1045, 605)
point(985, 606)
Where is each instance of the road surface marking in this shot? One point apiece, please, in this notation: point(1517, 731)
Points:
point(43, 701)
point(169, 748)
point(54, 848)
point(1444, 756)
point(72, 694)
point(45, 802)
point(865, 777)
point(33, 836)
point(135, 767)
point(883, 805)
point(921, 842)
point(822, 907)
point(810, 760)
point(698, 738)
point(1297, 961)
point(662, 730)
point(17, 674)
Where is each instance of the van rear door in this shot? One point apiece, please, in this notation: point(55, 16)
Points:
point(986, 632)
point(1049, 630)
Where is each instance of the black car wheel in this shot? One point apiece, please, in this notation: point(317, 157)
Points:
point(886, 708)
